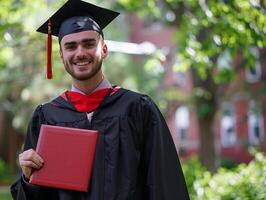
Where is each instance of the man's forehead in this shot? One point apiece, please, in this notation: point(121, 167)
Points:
point(81, 36)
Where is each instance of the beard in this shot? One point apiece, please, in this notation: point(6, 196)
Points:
point(85, 75)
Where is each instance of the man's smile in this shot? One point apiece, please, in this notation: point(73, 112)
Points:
point(82, 63)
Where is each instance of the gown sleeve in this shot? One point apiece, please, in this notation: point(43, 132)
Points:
point(164, 176)
point(21, 189)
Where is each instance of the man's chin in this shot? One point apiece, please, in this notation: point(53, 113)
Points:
point(82, 77)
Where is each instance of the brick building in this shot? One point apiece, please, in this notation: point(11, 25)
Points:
point(241, 118)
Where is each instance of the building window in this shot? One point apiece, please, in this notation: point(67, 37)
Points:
point(253, 73)
point(180, 78)
point(179, 73)
point(182, 124)
point(228, 121)
point(255, 124)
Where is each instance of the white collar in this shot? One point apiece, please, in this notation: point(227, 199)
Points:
point(104, 84)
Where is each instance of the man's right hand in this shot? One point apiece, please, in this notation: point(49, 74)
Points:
point(29, 160)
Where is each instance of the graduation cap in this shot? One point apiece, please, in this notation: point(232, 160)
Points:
point(74, 16)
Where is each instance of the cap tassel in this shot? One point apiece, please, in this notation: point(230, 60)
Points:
point(49, 73)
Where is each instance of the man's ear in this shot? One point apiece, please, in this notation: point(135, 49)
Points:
point(104, 50)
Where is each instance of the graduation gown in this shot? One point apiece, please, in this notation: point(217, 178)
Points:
point(135, 155)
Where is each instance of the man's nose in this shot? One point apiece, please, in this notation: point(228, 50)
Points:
point(80, 53)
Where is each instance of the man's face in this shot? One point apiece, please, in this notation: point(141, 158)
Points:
point(82, 54)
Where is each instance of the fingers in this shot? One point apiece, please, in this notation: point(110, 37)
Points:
point(30, 159)
point(31, 164)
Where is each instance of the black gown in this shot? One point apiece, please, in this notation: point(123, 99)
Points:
point(135, 155)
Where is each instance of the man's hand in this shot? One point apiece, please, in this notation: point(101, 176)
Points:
point(29, 160)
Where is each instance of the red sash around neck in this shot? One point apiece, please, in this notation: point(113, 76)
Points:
point(90, 102)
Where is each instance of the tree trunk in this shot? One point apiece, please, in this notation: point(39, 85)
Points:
point(207, 153)
point(206, 107)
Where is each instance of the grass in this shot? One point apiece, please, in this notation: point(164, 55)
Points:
point(5, 193)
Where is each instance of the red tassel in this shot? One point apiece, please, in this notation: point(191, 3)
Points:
point(49, 73)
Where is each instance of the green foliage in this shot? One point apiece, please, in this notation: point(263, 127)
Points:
point(119, 65)
point(131, 5)
point(5, 196)
point(20, 56)
point(2, 168)
point(208, 28)
point(5, 193)
point(224, 76)
point(5, 174)
point(203, 99)
point(151, 8)
point(193, 171)
point(204, 110)
point(228, 163)
point(216, 26)
point(245, 182)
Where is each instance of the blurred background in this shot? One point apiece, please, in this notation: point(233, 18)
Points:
point(202, 61)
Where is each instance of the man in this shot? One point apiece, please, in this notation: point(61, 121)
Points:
point(135, 156)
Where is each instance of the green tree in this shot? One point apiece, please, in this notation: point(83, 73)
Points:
point(206, 31)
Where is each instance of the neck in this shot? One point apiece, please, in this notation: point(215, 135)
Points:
point(87, 86)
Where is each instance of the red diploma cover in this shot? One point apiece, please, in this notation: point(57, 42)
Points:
point(68, 155)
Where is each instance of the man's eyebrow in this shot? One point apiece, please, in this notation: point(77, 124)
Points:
point(69, 43)
point(82, 41)
point(88, 40)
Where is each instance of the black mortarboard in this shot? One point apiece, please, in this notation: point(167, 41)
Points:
point(75, 16)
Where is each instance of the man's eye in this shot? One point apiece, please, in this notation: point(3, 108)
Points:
point(89, 45)
point(70, 47)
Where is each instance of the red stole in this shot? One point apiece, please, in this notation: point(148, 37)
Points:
point(90, 102)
